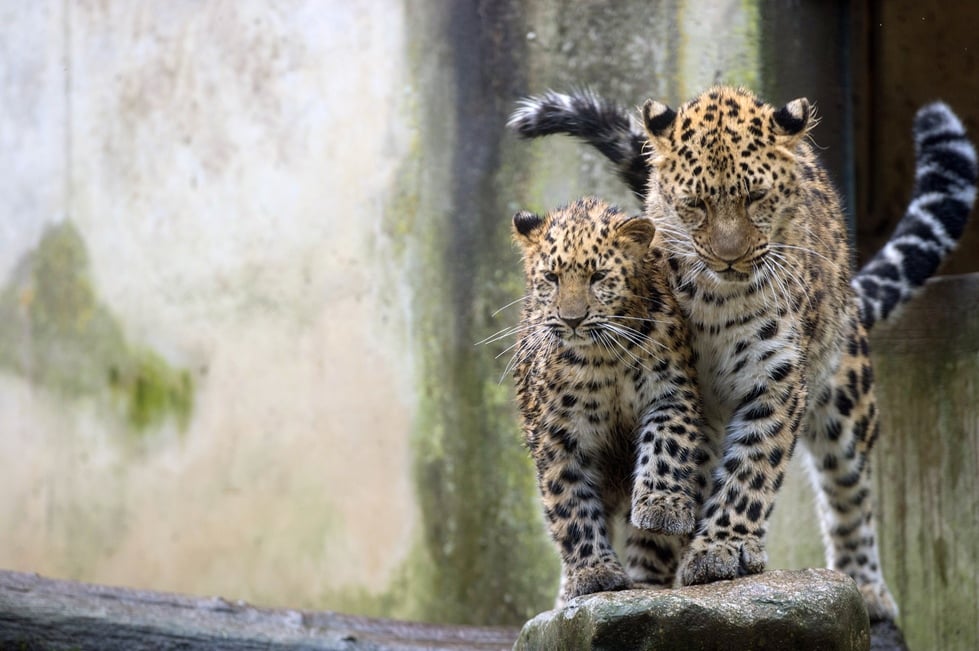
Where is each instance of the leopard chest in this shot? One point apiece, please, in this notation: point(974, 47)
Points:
point(596, 399)
point(742, 341)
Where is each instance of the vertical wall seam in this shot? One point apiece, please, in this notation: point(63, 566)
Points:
point(66, 69)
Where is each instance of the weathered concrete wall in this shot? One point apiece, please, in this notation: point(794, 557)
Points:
point(202, 386)
point(246, 250)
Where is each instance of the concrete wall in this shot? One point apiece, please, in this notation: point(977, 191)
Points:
point(203, 386)
point(928, 462)
point(246, 250)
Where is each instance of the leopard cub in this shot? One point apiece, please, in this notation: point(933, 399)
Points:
point(608, 396)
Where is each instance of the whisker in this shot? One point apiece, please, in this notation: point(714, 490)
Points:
point(507, 349)
point(779, 245)
point(633, 318)
point(507, 332)
point(606, 342)
point(782, 262)
point(514, 302)
point(632, 355)
point(773, 278)
point(634, 336)
point(527, 348)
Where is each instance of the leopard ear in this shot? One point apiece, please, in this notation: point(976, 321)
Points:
point(526, 226)
point(794, 119)
point(638, 231)
point(657, 118)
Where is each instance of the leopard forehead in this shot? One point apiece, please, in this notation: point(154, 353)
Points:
point(577, 240)
point(723, 142)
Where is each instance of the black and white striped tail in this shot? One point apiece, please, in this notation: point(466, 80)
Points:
point(943, 195)
point(599, 122)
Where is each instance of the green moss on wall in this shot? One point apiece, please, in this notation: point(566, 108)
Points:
point(55, 333)
point(153, 391)
point(719, 43)
point(481, 554)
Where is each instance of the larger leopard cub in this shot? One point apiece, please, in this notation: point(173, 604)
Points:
point(607, 391)
point(759, 261)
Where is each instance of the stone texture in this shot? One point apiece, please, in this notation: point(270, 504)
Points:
point(808, 609)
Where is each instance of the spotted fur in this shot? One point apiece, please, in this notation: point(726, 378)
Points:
point(759, 263)
point(608, 395)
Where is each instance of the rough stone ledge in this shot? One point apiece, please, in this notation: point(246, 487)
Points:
point(785, 610)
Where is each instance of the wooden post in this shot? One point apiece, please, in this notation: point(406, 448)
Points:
point(926, 469)
point(927, 462)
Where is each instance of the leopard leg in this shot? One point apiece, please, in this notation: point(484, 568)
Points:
point(671, 450)
point(651, 559)
point(577, 522)
point(730, 539)
point(840, 436)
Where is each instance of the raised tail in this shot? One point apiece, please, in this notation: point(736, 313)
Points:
point(599, 122)
point(943, 195)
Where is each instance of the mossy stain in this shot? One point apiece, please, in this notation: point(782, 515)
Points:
point(55, 333)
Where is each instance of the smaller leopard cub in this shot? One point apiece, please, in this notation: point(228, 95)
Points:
point(608, 396)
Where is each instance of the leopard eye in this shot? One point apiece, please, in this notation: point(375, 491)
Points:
point(755, 195)
point(694, 203)
point(598, 275)
point(550, 277)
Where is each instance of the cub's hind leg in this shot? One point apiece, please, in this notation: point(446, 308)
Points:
point(842, 429)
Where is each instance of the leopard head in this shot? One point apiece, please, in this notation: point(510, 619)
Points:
point(585, 266)
point(726, 164)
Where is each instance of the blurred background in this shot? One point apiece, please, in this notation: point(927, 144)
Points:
point(247, 249)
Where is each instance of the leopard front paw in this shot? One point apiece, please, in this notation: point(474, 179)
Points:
point(668, 513)
point(707, 561)
point(597, 578)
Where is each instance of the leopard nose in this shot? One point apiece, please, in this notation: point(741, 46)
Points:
point(730, 251)
point(573, 321)
point(728, 242)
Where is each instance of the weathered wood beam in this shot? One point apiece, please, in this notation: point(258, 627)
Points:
point(926, 363)
point(41, 613)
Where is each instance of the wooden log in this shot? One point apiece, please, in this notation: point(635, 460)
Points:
point(41, 613)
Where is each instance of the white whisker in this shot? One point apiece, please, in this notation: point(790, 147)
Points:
point(633, 318)
point(779, 245)
point(514, 302)
point(633, 355)
point(506, 332)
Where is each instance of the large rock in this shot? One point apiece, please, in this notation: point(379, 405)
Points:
point(808, 609)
